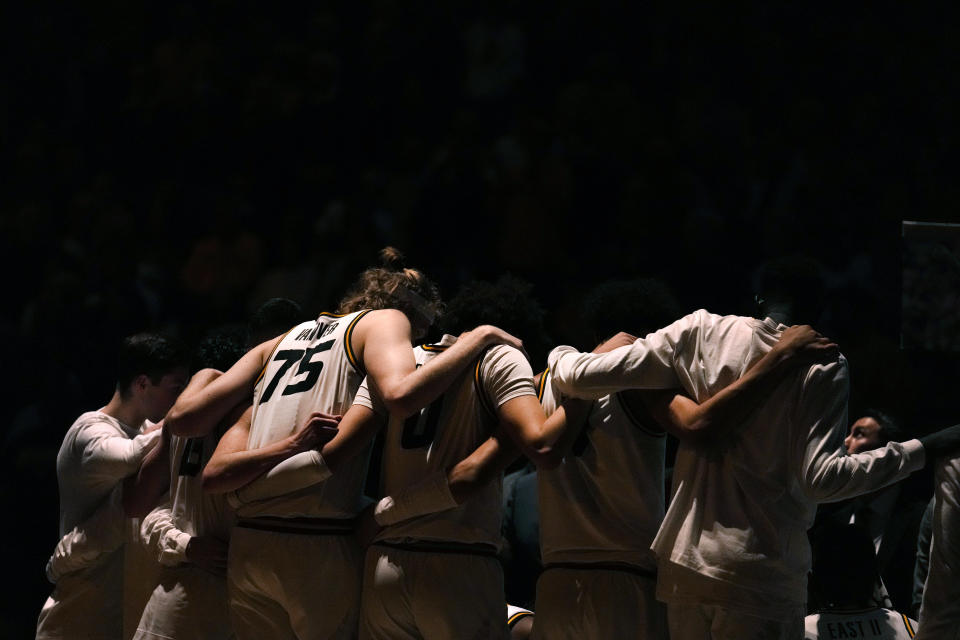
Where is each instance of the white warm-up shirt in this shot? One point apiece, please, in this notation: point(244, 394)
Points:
point(97, 453)
point(940, 612)
point(604, 502)
point(444, 433)
point(735, 532)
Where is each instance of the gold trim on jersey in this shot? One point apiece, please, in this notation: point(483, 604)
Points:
point(906, 623)
point(333, 315)
point(484, 400)
point(543, 384)
point(515, 618)
point(263, 369)
point(436, 348)
point(348, 343)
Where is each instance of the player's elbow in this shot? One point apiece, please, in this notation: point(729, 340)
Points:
point(399, 403)
point(544, 456)
point(178, 423)
point(213, 479)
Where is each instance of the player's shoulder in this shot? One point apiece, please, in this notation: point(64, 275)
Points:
point(503, 355)
point(96, 422)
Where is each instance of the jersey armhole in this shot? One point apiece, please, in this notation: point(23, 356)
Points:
point(543, 384)
point(906, 623)
point(348, 344)
point(635, 418)
point(478, 387)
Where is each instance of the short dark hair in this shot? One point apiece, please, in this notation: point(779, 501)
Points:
point(272, 318)
point(637, 306)
point(890, 430)
point(844, 564)
point(796, 279)
point(221, 347)
point(151, 354)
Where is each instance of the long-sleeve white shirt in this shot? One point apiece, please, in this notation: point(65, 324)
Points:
point(735, 531)
point(97, 453)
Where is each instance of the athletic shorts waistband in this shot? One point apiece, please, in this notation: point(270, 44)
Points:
point(300, 525)
point(602, 566)
point(436, 546)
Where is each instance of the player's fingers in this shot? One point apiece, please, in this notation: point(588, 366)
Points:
point(320, 422)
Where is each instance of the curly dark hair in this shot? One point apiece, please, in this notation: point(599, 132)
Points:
point(220, 348)
point(637, 306)
point(507, 303)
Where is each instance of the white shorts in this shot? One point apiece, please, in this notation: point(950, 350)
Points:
point(432, 595)
point(597, 604)
point(719, 623)
point(290, 585)
point(188, 604)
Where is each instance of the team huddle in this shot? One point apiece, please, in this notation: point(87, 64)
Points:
point(233, 502)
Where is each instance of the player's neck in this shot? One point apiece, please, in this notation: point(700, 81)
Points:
point(124, 410)
point(781, 312)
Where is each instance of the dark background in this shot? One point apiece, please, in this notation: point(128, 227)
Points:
point(172, 165)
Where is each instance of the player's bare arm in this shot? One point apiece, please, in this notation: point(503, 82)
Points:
point(544, 440)
point(485, 464)
point(232, 465)
point(441, 490)
point(197, 412)
point(717, 418)
point(307, 468)
point(383, 341)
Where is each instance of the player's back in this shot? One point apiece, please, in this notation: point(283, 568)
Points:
point(605, 501)
point(313, 368)
point(441, 435)
point(745, 501)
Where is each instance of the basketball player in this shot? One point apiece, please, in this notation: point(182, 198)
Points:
point(844, 573)
point(294, 568)
point(732, 550)
point(99, 451)
point(189, 534)
point(602, 507)
point(940, 611)
point(436, 575)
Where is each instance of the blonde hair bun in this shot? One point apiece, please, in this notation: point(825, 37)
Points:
point(392, 259)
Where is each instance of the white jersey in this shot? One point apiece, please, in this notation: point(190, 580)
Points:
point(605, 502)
point(446, 432)
point(874, 624)
point(190, 511)
point(313, 368)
